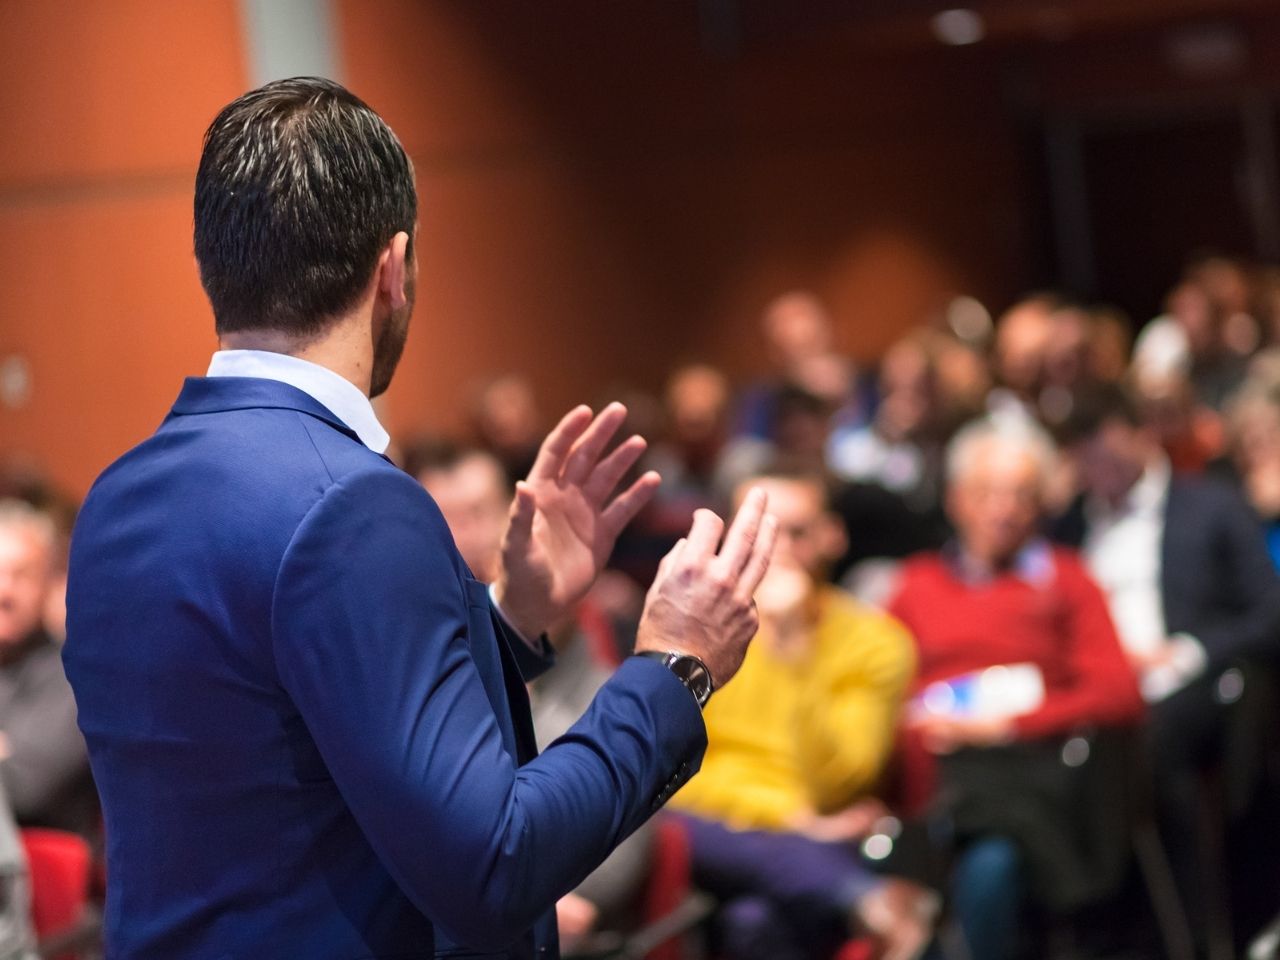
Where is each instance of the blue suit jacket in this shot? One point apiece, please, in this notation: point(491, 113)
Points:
point(308, 726)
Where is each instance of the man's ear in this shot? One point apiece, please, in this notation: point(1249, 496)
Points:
point(393, 271)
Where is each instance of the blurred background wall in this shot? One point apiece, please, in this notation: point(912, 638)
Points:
point(607, 189)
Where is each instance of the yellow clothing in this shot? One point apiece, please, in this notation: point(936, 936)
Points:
point(790, 737)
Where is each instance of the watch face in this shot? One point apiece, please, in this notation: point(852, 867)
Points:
point(694, 674)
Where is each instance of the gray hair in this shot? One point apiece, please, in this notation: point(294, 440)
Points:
point(19, 515)
point(1008, 431)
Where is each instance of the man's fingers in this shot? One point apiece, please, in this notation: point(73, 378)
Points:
point(667, 562)
point(704, 536)
point(761, 554)
point(554, 449)
point(627, 504)
point(590, 445)
point(520, 519)
point(742, 535)
point(612, 469)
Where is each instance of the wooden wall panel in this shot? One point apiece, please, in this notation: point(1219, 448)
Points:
point(97, 90)
point(110, 317)
point(103, 106)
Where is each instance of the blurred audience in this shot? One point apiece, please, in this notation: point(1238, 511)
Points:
point(44, 764)
point(696, 412)
point(799, 336)
point(1254, 429)
point(795, 435)
point(1015, 648)
point(505, 421)
point(901, 448)
point(784, 793)
point(1018, 356)
point(1204, 334)
point(473, 491)
point(688, 453)
point(926, 488)
point(890, 500)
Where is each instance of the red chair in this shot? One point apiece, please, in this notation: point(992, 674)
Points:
point(857, 950)
point(669, 885)
point(59, 865)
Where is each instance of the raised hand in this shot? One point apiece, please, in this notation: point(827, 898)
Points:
point(701, 602)
point(565, 519)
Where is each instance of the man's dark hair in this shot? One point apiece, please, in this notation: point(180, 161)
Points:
point(790, 470)
point(432, 453)
point(1092, 409)
point(791, 400)
point(300, 187)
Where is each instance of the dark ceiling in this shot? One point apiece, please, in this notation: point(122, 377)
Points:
point(884, 24)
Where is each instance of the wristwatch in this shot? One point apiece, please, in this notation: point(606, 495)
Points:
point(689, 670)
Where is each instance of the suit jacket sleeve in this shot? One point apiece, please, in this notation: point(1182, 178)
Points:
point(532, 662)
point(372, 630)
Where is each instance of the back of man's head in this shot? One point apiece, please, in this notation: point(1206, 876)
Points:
point(1093, 409)
point(300, 186)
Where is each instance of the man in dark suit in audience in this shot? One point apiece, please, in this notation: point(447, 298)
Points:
point(1192, 591)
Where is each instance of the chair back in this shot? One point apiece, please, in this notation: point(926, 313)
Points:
point(59, 866)
point(669, 884)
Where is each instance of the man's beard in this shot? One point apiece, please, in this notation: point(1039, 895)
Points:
point(387, 351)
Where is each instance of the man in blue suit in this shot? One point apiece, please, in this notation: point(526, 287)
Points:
point(307, 721)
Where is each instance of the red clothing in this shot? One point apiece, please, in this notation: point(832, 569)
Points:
point(1058, 621)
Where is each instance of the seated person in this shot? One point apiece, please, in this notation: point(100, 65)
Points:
point(471, 488)
point(1196, 598)
point(44, 764)
point(794, 744)
point(1000, 596)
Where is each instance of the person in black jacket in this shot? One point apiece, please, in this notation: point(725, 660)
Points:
point(1194, 595)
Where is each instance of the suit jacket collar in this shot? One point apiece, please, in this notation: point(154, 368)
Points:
point(220, 394)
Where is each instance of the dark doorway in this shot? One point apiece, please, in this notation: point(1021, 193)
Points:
point(1159, 192)
point(1134, 195)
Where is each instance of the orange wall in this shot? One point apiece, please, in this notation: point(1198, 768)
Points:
point(103, 106)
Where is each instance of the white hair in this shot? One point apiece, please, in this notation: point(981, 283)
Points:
point(20, 515)
point(1008, 432)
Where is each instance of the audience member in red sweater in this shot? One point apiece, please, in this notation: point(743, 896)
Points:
point(1000, 596)
point(1041, 609)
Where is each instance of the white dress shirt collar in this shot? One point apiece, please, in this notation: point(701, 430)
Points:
point(337, 394)
point(1150, 492)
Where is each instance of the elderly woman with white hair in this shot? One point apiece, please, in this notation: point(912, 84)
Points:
point(1016, 652)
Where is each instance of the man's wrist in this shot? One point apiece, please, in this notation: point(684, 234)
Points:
point(526, 631)
point(688, 669)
